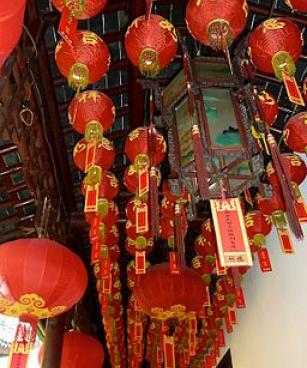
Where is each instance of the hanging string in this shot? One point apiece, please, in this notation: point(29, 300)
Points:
point(148, 9)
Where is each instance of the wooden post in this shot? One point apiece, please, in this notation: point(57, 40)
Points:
point(53, 342)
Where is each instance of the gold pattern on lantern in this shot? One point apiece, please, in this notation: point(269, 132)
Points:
point(295, 161)
point(165, 24)
point(88, 95)
point(105, 143)
point(272, 23)
point(134, 134)
point(29, 305)
point(249, 220)
point(90, 38)
point(113, 182)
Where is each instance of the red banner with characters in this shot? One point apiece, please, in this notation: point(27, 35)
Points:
point(231, 236)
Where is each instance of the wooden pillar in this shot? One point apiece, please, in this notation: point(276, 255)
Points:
point(53, 342)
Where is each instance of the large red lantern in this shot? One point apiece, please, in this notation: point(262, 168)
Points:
point(297, 5)
point(268, 107)
point(274, 47)
point(81, 351)
point(11, 21)
point(216, 23)
point(39, 279)
point(151, 43)
point(88, 106)
point(85, 61)
point(185, 292)
point(295, 133)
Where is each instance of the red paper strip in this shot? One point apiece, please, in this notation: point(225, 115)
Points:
point(140, 262)
point(300, 209)
point(105, 265)
point(233, 316)
point(95, 225)
point(143, 182)
point(90, 156)
point(207, 302)
point(230, 230)
point(169, 351)
point(292, 89)
point(221, 338)
point(142, 225)
point(174, 263)
point(159, 355)
point(285, 241)
point(228, 324)
point(193, 324)
point(264, 260)
point(95, 252)
point(68, 25)
point(240, 300)
point(91, 198)
point(138, 331)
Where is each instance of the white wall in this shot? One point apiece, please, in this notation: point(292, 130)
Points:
point(272, 330)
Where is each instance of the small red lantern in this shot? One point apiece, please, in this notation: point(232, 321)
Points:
point(204, 268)
point(297, 5)
point(137, 147)
point(81, 351)
point(205, 248)
point(275, 207)
point(151, 44)
point(274, 47)
point(89, 106)
point(39, 279)
point(207, 230)
point(11, 22)
point(131, 178)
point(295, 132)
point(268, 106)
point(185, 292)
point(216, 23)
point(85, 61)
point(100, 153)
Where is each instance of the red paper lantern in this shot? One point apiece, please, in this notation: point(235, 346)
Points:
point(91, 105)
point(181, 197)
point(108, 185)
point(185, 292)
point(11, 22)
point(205, 248)
point(85, 61)
point(40, 278)
point(274, 47)
point(131, 178)
point(297, 5)
point(81, 9)
point(258, 227)
point(81, 351)
point(295, 133)
point(268, 106)
point(208, 232)
point(216, 23)
point(151, 44)
point(295, 167)
point(204, 268)
point(104, 154)
point(137, 147)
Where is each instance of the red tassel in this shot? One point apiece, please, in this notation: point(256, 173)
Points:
point(201, 168)
point(285, 182)
point(23, 343)
point(154, 202)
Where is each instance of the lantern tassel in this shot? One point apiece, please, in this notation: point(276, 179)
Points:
point(154, 202)
point(23, 343)
point(287, 191)
point(201, 168)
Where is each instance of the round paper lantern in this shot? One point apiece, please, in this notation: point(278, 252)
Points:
point(205, 248)
point(137, 147)
point(268, 106)
point(86, 61)
point(204, 268)
point(275, 46)
point(185, 292)
point(104, 154)
point(81, 9)
point(40, 278)
point(88, 106)
point(151, 44)
point(11, 21)
point(274, 207)
point(81, 351)
point(295, 133)
point(258, 227)
point(297, 5)
point(131, 178)
point(216, 23)
point(208, 232)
